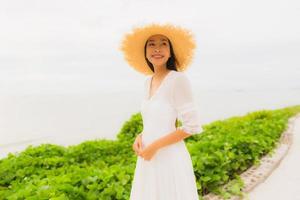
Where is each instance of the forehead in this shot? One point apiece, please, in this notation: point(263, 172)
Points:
point(157, 37)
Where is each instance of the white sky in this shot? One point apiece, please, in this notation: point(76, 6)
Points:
point(72, 46)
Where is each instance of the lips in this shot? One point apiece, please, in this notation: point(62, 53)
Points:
point(157, 56)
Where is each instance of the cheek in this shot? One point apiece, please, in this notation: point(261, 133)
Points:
point(167, 53)
point(167, 50)
point(148, 53)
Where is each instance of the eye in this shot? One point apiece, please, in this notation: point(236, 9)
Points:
point(151, 44)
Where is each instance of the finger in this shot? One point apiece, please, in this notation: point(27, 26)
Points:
point(139, 146)
point(137, 151)
point(140, 153)
point(135, 148)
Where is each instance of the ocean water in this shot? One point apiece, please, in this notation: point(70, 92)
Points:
point(69, 119)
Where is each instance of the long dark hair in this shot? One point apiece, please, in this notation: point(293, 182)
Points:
point(172, 61)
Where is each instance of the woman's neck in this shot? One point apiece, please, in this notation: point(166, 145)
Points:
point(161, 72)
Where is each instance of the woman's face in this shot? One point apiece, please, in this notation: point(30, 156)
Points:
point(158, 50)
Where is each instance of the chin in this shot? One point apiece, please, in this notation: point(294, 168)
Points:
point(158, 63)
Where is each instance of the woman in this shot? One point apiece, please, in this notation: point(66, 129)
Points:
point(164, 169)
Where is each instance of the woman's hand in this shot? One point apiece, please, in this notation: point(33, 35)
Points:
point(148, 152)
point(138, 144)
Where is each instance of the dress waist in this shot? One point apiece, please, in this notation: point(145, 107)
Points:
point(150, 136)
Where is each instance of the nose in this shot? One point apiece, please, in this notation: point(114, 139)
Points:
point(156, 50)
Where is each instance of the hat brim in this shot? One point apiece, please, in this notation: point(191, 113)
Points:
point(133, 43)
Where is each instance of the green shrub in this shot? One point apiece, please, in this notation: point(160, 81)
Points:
point(103, 169)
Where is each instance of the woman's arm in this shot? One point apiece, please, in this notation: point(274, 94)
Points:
point(166, 140)
point(185, 106)
point(170, 138)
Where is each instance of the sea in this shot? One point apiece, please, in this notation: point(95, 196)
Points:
point(71, 118)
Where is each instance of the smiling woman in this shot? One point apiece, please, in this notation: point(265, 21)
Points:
point(158, 49)
point(164, 169)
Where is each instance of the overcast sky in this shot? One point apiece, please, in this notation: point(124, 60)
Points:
point(72, 46)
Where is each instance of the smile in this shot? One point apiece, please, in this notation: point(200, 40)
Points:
point(157, 56)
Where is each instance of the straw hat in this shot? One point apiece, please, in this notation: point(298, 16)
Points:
point(133, 43)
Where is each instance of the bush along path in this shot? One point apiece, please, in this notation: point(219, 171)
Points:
point(103, 169)
point(284, 181)
point(258, 173)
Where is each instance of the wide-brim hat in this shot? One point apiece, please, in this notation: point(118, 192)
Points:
point(183, 43)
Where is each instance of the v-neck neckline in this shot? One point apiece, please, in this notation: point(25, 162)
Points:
point(158, 88)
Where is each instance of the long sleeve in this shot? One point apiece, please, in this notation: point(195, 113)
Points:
point(183, 101)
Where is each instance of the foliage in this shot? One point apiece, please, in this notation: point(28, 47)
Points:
point(103, 169)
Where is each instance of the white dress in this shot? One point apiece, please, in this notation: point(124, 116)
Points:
point(169, 175)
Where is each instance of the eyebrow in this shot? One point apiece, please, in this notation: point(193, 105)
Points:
point(153, 40)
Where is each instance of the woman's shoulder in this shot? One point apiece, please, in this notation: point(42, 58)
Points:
point(176, 75)
point(180, 75)
point(147, 78)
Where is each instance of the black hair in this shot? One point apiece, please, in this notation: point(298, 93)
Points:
point(172, 61)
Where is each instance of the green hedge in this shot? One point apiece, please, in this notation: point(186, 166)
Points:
point(103, 169)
